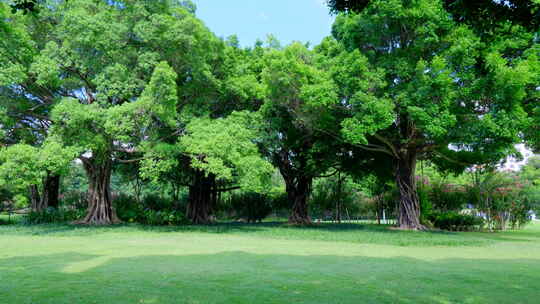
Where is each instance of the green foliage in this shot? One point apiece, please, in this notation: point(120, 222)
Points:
point(23, 165)
point(18, 163)
point(281, 202)
point(226, 147)
point(426, 206)
point(127, 208)
point(434, 71)
point(250, 206)
point(447, 197)
point(482, 15)
point(162, 218)
point(529, 176)
point(300, 117)
point(152, 210)
point(439, 91)
point(357, 83)
point(332, 193)
point(94, 127)
point(454, 221)
point(101, 79)
point(20, 201)
point(519, 214)
point(53, 215)
point(504, 198)
point(147, 85)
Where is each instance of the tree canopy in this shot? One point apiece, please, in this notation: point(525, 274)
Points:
point(481, 14)
point(145, 90)
point(449, 94)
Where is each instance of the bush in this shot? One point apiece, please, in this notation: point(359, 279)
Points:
point(426, 207)
point(52, 215)
point(280, 201)
point(519, 214)
point(162, 218)
point(251, 206)
point(157, 203)
point(453, 221)
point(153, 210)
point(127, 208)
point(448, 197)
point(20, 201)
point(74, 200)
point(327, 192)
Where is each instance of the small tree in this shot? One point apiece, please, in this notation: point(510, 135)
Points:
point(222, 156)
point(24, 166)
point(300, 118)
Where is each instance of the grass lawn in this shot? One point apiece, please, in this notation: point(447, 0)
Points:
point(266, 263)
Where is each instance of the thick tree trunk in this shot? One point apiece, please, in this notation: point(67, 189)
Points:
point(51, 188)
point(298, 191)
point(35, 199)
point(100, 209)
point(409, 204)
point(201, 198)
point(49, 195)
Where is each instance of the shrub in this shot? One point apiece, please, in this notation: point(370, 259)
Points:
point(426, 207)
point(280, 201)
point(251, 206)
point(153, 210)
point(447, 197)
point(329, 192)
point(162, 218)
point(454, 221)
point(519, 214)
point(157, 203)
point(20, 201)
point(53, 215)
point(127, 208)
point(74, 200)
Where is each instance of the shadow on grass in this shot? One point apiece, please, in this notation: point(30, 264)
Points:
point(347, 232)
point(216, 228)
point(242, 277)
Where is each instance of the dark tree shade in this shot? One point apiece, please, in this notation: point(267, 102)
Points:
point(338, 6)
point(26, 6)
point(478, 13)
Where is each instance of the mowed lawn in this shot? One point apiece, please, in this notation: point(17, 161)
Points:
point(268, 263)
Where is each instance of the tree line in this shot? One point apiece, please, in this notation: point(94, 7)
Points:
point(145, 84)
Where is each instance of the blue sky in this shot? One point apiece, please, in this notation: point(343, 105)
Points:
point(288, 20)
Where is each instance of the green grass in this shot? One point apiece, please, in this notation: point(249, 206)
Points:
point(268, 263)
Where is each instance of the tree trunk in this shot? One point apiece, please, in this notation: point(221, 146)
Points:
point(137, 188)
point(298, 191)
point(51, 187)
point(35, 199)
point(201, 198)
point(338, 201)
point(49, 195)
point(378, 208)
point(100, 209)
point(409, 204)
